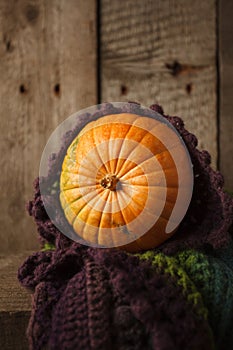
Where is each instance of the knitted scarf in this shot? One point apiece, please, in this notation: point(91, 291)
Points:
point(177, 296)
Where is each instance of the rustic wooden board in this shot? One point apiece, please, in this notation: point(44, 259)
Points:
point(226, 90)
point(48, 71)
point(15, 304)
point(163, 51)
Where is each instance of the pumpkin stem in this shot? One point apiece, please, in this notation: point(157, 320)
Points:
point(109, 181)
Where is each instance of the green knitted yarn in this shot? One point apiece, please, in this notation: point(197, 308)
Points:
point(170, 266)
point(48, 246)
point(212, 274)
point(207, 282)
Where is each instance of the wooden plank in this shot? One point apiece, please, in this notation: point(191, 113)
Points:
point(13, 330)
point(163, 51)
point(15, 304)
point(226, 90)
point(48, 71)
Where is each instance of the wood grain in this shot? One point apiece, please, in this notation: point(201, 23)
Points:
point(226, 90)
point(165, 52)
point(15, 304)
point(48, 71)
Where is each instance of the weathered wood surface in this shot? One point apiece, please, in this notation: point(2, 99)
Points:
point(226, 90)
point(15, 305)
point(163, 51)
point(48, 71)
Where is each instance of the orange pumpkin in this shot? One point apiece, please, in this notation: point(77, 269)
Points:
point(126, 182)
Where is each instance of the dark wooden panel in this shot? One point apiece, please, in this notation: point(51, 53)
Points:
point(13, 330)
point(226, 90)
point(15, 305)
point(163, 51)
point(48, 71)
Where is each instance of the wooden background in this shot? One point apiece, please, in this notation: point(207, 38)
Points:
point(59, 56)
point(47, 72)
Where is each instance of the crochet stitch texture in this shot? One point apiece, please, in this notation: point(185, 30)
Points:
point(177, 296)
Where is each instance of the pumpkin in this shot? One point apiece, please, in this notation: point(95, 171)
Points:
point(126, 182)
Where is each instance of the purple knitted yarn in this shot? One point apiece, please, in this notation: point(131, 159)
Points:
point(89, 299)
point(107, 299)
